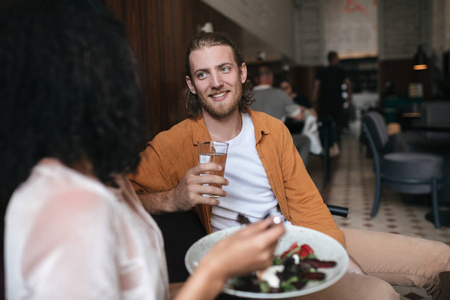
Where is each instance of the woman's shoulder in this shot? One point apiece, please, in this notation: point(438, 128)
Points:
point(54, 187)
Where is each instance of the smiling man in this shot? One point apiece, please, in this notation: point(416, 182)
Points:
point(263, 172)
point(218, 86)
point(263, 168)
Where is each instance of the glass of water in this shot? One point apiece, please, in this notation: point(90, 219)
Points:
point(212, 151)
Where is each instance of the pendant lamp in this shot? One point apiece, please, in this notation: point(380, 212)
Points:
point(420, 59)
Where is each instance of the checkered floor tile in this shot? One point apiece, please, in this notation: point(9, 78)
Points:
point(353, 185)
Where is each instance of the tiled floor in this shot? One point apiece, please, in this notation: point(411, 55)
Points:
point(353, 185)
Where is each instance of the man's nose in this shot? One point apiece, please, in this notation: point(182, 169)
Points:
point(216, 80)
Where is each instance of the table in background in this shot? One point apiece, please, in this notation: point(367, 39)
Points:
point(437, 127)
point(444, 215)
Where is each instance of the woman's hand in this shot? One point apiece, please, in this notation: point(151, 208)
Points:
point(247, 250)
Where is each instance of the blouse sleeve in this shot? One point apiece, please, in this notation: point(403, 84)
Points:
point(70, 252)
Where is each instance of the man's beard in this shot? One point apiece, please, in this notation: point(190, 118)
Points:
point(221, 112)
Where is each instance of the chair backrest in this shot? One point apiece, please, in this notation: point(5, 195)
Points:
point(376, 126)
point(435, 112)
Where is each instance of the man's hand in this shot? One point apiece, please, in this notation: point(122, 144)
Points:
point(189, 192)
point(197, 182)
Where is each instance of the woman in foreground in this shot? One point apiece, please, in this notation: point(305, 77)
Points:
point(74, 227)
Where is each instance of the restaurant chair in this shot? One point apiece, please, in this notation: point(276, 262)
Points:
point(325, 125)
point(402, 172)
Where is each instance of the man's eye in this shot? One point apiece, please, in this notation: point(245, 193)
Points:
point(225, 69)
point(201, 75)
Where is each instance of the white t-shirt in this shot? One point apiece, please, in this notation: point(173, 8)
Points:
point(70, 237)
point(249, 191)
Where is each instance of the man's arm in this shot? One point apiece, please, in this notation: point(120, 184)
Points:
point(349, 90)
point(158, 203)
point(292, 109)
point(299, 116)
point(315, 94)
point(188, 193)
point(302, 203)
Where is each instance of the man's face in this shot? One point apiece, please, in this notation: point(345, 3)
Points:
point(217, 80)
point(286, 87)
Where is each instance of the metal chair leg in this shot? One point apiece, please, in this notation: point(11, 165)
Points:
point(325, 157)
point(376, 202)
point(434, 202)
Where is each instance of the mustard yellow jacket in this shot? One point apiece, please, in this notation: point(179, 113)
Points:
point(172, 153)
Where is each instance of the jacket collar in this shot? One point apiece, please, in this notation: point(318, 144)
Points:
point(260, 123)
point(200, 132)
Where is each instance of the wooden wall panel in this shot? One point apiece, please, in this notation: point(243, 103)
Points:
point(401, 73)
point(158, 31)
point(303, 78)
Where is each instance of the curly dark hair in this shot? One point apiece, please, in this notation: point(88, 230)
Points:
point(207, 40)
point(69, 89)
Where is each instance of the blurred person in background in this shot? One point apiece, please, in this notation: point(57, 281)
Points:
point(311, 127)
point(332, 93)
point(287, 86)
point(274, 102)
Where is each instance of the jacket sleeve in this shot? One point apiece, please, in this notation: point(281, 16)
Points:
point(303, 205)
point(164, 162)
point(152, 174)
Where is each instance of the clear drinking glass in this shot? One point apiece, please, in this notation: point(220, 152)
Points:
point(212, 151)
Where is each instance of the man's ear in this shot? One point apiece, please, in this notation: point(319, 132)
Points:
point(190, 85)
point(243, 72)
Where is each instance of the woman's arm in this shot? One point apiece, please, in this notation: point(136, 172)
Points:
point(248, 250)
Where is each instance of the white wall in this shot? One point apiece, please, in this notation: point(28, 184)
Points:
point(447, 24)
point(403, 25)
point(351, 28)
point(306, 31)
point(309, 41)
point(270, 20)
point(325, 25)
point(441, 29)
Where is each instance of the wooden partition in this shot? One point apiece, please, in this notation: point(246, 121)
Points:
point(400, 73)
point(158, 31)
point(303, 77)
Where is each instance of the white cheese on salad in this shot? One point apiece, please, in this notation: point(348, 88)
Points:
point(269, 275)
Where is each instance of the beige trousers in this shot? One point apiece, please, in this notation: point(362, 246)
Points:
point(388, 259)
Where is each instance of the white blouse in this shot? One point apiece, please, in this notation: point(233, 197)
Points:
point(68, 236)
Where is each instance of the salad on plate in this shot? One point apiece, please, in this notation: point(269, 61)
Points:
point(290, 271)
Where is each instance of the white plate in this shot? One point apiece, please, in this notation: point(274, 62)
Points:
point(325, 248)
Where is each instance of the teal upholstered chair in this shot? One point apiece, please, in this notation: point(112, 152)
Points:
point(402, 172)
